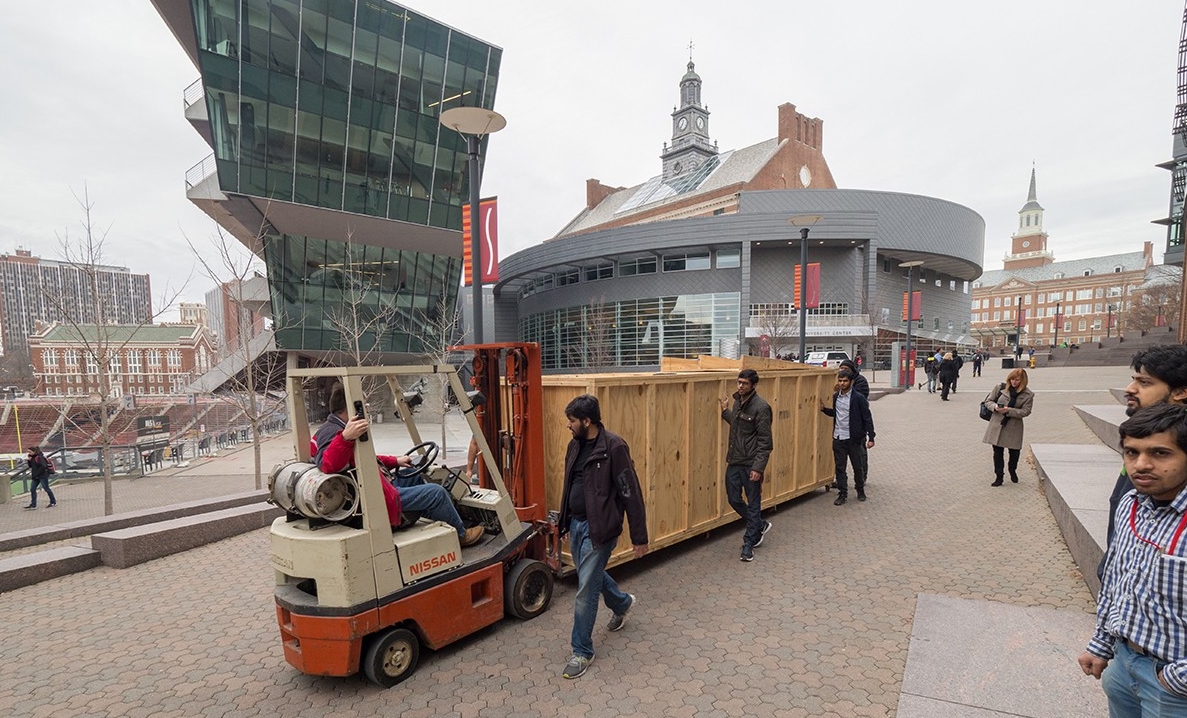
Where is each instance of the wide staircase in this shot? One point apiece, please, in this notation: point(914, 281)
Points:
point(1115, 351)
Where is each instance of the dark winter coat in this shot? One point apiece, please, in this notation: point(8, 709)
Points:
point(611, 488)
point(861, 422)
point(750, 440)
point(948, 371)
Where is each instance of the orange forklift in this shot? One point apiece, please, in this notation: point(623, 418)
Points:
point(352, 592)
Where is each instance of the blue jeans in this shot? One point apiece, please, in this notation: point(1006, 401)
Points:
point(737, 483)
point(433, 502)
point(44, 481)
point(1131, 685)
point(931, 383)
point(592, 581)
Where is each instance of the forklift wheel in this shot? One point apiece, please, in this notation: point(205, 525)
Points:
point(391, 656)
point(527, 589)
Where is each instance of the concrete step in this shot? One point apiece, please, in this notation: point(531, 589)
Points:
point(1078, 479)
point(1103, 420)
point(28, 569)
point(135, 545)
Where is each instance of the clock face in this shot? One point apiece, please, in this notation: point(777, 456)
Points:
point(805, 176)
point(683, 123)
point(700, 123)
point(1025, 245)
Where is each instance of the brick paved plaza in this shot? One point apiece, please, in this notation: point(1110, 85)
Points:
point(817, 625)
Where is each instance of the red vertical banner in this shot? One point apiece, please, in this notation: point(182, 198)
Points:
point(1021, 316)
point(916, 306)
point(488, 213)
point(812, 299)
point(1113, 321)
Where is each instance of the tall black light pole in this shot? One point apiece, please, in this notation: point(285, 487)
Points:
point(474, 123)
point(1058, 321)
point(908, 373)
point(1018, 317)
point(804, 222)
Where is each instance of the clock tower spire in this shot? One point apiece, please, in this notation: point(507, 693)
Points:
point(690, 147)
point(1028, 245)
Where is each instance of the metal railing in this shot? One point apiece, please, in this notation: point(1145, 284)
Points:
point(193, 93)
point(197, 174)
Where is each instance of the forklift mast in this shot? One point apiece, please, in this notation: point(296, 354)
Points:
point(511, 419)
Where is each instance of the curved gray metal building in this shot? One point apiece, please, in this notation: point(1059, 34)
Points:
point(724, 285)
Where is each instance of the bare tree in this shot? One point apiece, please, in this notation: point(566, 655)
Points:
point(1156, 302)
point(442, 330)
point(366, 312)
point(779, 326)
point(598, 331)
point(250, 375)
point(91, 318)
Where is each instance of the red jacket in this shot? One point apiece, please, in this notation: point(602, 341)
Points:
point(338, 455)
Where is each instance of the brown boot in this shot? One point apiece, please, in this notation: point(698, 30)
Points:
point(473, 535)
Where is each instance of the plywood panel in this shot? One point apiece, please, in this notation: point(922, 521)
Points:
point(673, 426)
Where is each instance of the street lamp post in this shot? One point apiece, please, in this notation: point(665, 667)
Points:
point(804, 222)
point(474, 123)
point(1058, 321)
point(910, 266)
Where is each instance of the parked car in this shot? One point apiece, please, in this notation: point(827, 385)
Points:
point(828, 360)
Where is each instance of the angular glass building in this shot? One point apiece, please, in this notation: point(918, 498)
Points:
point(329, 160)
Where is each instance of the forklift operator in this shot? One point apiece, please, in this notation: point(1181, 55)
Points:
point(333, 446)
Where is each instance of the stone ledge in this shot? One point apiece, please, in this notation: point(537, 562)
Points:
point(86, 527)
point(29, 569)
point(131, 546)
point(1103, 420)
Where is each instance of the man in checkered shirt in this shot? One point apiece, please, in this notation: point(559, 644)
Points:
point(1139, 648)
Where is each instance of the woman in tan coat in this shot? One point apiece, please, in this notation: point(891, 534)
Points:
point(1010, 402)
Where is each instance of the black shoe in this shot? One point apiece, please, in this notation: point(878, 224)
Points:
point(997, 483)
point(747, 554)
point(861, 495)
point(55, 503)
point(30, 508)
point(840, 500)
point(766, 526)
point(1013, 477)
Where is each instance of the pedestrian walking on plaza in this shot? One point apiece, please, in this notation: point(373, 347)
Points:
point(39, 473)
point(1139, 648)
point(853, 430)
point(931, 369)
point(947, 371)
point(1010, 403)
point(600, 486)
point(959, 361)
point(861, 386)
point(746, 457)
point(1159, 377)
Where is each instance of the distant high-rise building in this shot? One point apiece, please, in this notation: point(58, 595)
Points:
point(193, 313)
point(34, 291)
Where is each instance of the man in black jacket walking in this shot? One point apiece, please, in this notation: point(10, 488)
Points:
point(600, 485)
point(852, 424)
point(746, 459)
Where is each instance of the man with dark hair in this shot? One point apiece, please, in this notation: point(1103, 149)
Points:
point(600, 486)
point(746, 458)
point(1139, 648)
point(852, 424)
point(333, 446)
point(1159, 377)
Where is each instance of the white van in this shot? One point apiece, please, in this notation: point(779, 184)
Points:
point(828, 360)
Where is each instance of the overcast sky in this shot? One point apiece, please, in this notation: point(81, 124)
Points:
point(947, 99)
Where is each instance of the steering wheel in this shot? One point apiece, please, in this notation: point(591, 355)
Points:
point(428, 451)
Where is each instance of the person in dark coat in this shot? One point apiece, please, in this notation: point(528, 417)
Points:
point(1010, 402)
point(959, 360)
point(860, 385)
point(947, 375)
point(39, 473)
point(853, 426)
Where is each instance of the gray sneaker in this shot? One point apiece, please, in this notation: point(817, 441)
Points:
point(618, 620)
point(576, 666)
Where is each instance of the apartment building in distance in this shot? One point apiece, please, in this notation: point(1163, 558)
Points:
point(34, 290)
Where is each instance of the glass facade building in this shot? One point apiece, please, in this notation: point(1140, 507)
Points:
point(633, 332)
point(335, 105)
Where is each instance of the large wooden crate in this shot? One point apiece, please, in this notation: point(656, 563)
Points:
point(672, 422)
